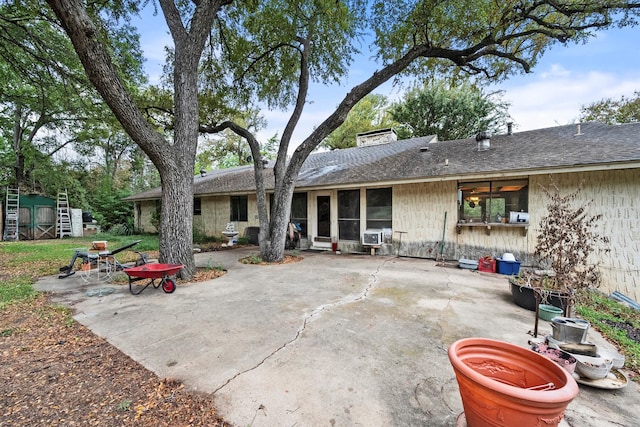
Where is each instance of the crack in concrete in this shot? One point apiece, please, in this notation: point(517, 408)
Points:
point(349, 299)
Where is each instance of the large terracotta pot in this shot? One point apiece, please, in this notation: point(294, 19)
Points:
point(502, 384)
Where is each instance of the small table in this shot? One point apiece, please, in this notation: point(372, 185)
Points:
point(101, 258)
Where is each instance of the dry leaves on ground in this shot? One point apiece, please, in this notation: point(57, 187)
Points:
point(57, 372)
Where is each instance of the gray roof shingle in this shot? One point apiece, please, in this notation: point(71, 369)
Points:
point(597, 144)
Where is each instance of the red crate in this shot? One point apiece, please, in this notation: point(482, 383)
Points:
point(487, 265)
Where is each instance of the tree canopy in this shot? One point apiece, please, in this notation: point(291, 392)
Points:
point(53, 123)
point(368, 114)
point(613, 111)
point(450, 112)
point(269, 51)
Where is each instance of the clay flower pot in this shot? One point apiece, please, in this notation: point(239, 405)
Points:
point(502, 384)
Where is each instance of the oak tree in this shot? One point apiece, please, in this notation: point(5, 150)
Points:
point(450, 111)
point(613, 111)
point(270, 51)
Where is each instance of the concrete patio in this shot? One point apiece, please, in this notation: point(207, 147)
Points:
point(335, 340)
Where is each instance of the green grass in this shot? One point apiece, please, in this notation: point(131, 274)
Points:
point(597, 308)
point(16, 289)
point(23, 262)
point(251, 259)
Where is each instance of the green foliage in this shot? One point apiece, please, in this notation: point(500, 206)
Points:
point(109, 209)
point(211, 266)
point(613, 111)
point(16, 289)
point(227, 149)
point(265, 41)
point(502, 37)
point(450, 112)
point(368, 114)
point(120, 230)
point(155, 216)
point(251, 259)
point(244, 240)
point(198, 235)
point(604, 314)
point(48, 102)
point(124, 405)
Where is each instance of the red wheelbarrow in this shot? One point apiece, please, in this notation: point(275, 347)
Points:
point(153, 272)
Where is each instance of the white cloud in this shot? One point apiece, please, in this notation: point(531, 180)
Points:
point(555, 96)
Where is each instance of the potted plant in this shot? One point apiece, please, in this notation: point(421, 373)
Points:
point(567, 243)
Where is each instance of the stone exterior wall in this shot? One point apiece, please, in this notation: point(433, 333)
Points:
point(144, 220)
point(215, 214)
point(615, 196)
point(216, 211)
point(419, 210)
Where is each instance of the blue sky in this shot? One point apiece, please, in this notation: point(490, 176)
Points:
point(564, 80)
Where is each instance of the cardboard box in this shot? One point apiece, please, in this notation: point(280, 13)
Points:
point(507, 267)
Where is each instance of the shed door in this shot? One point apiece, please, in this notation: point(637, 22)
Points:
point(25, 230)
point(45, 226)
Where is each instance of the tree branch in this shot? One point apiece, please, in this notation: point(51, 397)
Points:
point(102, 73)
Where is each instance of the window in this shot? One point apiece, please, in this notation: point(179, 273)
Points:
point(379, 208)
point(349, 214)
point(492, 201)
point(238, 208)
point(197, 206)
point(299, 211)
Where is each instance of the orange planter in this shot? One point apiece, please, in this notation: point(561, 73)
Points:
point(504, 385)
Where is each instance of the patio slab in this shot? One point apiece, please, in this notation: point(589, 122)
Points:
point(335, 340)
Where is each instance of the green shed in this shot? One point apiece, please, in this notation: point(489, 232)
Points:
point(37, 217)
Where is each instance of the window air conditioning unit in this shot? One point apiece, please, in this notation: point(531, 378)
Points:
point(372, 237)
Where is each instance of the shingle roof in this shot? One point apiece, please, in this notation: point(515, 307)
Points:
point(596, 144)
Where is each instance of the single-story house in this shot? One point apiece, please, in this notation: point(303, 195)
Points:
point(457, 199)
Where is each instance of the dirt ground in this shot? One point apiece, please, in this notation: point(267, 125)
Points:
point(56, 372)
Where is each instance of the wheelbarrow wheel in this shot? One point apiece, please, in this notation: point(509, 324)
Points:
point(169, 286)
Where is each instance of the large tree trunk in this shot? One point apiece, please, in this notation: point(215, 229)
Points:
point(176, 220)
point(272, 249)
point(174, 161)
point(175, 231)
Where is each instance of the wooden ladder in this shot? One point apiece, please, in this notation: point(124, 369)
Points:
point(63, 223)
point(12, 210)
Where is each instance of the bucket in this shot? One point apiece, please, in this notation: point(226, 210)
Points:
point(548, 312)
point(569, 329)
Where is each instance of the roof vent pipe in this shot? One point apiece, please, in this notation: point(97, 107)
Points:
point(484, 140)
point(509, 128)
